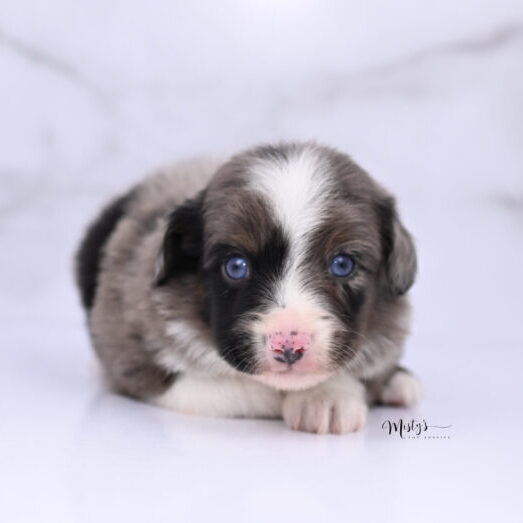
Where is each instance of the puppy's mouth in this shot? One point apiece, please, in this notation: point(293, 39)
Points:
point(291, 379)
point(293, 370)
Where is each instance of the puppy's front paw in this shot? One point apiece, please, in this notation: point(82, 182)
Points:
point(324, 411)
point(402, 390)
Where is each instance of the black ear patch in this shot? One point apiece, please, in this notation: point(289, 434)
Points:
point(399, 251)
point(182, 244)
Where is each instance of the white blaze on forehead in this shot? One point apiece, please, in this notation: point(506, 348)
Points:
point(296, 188)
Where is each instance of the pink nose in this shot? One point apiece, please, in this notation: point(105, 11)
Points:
point(289, 346)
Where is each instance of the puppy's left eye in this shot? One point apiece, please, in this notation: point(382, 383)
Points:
point(342, 265)
point(236, 268)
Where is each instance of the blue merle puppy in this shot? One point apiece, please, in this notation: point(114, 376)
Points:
point(270, 285)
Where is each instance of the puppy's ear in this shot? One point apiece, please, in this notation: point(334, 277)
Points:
point(182, 244)
point(399, 251)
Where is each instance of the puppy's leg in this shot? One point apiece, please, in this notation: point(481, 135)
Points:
point(337, 406)
point(221, 396)
point(400, 388)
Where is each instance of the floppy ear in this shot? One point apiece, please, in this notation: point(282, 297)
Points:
point(399, 250)
point(182, 244)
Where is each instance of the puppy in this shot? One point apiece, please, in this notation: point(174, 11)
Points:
point(272, 285)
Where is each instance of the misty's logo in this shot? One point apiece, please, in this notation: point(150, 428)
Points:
point(415, 429)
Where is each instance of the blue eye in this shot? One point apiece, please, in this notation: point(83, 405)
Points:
point(237, 268)
point(342, 265)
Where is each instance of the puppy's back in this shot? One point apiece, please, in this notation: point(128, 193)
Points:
point(89, 254)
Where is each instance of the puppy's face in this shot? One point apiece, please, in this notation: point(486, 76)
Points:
point(298, 248)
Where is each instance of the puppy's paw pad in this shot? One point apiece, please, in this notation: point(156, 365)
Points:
point(402, 390)
point(321, 414)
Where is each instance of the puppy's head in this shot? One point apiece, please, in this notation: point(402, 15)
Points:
point(300, 251)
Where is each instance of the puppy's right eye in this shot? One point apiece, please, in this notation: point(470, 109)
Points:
point(342, 265)
point(236, 268)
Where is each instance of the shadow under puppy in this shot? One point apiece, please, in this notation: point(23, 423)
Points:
point(272, 285)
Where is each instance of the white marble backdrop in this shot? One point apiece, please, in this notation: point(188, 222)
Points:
point(428, 96)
